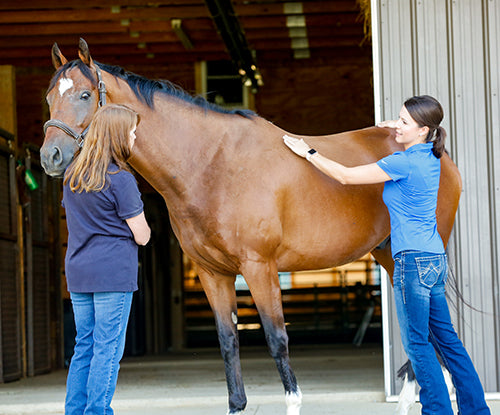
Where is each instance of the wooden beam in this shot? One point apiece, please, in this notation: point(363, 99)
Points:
point(325, 32)
point(78, 4)
point(189, 25)
point(36, 29)
point(103, 14)
point(118, 50)
point(120, 60)
point(284, 44)
point(349, 19)
point(242, 8)
point(71, 41)
point(274, 57)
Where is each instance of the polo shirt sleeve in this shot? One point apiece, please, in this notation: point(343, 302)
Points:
point(396, 165)
point(126, 195)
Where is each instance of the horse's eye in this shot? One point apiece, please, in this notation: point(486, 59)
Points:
point(85, 95)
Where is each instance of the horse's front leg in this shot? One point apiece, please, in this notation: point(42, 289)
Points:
point(263, 281)
point(221, 295)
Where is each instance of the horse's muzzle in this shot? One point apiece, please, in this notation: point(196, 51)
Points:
point(52, 161)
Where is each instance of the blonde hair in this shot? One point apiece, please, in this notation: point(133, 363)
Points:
point(107, 141)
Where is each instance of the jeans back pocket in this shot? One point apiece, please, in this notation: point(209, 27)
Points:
point(429, 269)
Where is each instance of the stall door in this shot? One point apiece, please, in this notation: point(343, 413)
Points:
point(10, 334)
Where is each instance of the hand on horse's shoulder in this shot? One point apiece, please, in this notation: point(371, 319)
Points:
point(298, 146)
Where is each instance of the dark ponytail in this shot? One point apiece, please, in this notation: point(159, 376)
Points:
point(428, 112)
point(438, 142)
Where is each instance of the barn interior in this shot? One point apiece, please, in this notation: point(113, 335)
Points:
point(305, 66)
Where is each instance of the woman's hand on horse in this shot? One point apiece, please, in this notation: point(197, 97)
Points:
point(387, 123)
point(298, 146)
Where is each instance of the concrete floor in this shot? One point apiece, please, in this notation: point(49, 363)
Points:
point(333, 379)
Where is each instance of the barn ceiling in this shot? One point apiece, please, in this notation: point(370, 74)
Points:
point(154, 32)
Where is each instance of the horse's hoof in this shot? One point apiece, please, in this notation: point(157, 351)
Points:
point(293, 402)
point(407, 397)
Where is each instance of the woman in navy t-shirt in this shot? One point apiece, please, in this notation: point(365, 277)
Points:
point(106, 223)
point(411, 180)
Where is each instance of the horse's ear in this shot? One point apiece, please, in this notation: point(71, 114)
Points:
point(83, 53)
point(58, 58)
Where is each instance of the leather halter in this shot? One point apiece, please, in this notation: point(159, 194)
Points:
point(101, 87)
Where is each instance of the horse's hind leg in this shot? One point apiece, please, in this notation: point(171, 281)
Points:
point(263, 281)
point(221, 295)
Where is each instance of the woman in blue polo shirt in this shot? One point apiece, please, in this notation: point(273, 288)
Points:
point(420, 265)
point(106, 223)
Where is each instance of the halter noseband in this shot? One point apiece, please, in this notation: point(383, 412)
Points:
point(101, 87)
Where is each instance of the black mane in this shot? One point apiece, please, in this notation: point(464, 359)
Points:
point(144, 88)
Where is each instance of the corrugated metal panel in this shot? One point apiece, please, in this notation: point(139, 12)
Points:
point(492, 16)
point(473, 225)
point(449, 49)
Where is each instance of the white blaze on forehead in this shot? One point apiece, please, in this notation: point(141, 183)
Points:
point(64, 85)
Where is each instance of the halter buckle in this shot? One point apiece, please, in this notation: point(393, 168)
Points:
point(79, 141)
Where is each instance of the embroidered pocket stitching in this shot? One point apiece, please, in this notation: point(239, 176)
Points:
point(427, 267)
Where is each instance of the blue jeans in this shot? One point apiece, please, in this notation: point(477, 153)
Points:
point(101, 325)
point(426, 328)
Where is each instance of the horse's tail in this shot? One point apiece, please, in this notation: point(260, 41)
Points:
point(406, 370)
point(453, 290)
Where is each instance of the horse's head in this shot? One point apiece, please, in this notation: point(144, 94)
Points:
point(75, 92)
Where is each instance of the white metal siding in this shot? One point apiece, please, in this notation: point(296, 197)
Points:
point(450, 49)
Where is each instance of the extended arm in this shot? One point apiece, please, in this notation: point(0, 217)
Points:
point(365, 174)
point(140, 228)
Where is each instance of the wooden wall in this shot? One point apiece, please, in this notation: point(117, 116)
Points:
point(316, 97)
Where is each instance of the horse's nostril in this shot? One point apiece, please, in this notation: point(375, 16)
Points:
point(56, 156)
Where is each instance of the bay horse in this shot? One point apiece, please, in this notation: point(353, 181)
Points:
point(239, 201)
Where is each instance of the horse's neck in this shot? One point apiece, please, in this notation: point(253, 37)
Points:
point(176, 141)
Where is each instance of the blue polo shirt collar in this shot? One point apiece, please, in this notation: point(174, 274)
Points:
point(421, 147)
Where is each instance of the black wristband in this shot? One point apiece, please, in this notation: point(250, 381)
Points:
point(310, 153)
